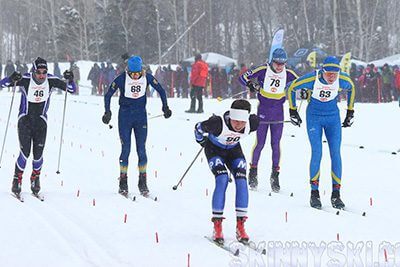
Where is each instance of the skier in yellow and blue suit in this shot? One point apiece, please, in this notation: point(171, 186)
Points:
point(322, 88)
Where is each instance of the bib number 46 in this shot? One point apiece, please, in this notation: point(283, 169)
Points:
point(38, 93)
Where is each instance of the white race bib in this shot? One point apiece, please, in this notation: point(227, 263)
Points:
point(135, 88)
point(325, 92)
point(38, 93)
point(274, 84)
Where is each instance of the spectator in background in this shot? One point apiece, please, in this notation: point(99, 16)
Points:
point(198, 80)
point(223, 78)
point(110, 74)
point(77, 75)
point(387, 81)
point(178, 81)
point(102, 78)
point(397, 82)
point(236, 86)
point(94, 76)
point(56, 70)
point(8, 70)
point(215, 82)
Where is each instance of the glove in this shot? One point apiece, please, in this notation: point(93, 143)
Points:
point(15, 76)
point(295, 117)
point(167, 112)
point(303, 94)
point(199, 134)
point(253, 87)
point(106, 117)
point(68, 75)
point(348, 121)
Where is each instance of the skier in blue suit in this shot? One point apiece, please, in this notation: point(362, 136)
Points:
point(132, 115)
point(322, 87)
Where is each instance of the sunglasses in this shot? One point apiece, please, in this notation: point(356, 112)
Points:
point(41, 72)
point(133, 74)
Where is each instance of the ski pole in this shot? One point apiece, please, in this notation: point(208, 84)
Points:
point(274, 122)
point(222, 99)
point(62, 131)
point(8, 121)
point(156, 116)
point(183, 176)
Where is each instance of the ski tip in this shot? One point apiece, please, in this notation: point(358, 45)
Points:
point(264, 251)
point(155, 198)
point(364, 214)
point(291, 194)
point(394, 153)
point(134, 198)
point(236, 253)
point(270, 194)
point(337, 212)
point(361, 147)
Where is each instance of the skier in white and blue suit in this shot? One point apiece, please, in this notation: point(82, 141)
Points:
point(132, 115)
point(322, 114)
point(223, 152)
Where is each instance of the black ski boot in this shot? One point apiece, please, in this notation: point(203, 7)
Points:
point(17, 183)
point(315, 201)
point(35, 182)
point(275, 181)
point(143, 184)
point(337, 203)
point(123, 184)
point(253, 182)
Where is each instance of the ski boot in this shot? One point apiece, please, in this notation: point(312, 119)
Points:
point(35, 182)
point(315, 201)
point(123, 184)
point(143, 184)
point(241, 234)
point(218, 237)
point(17, 183)
point(337, 203)
point(274, 179)
point(253, 182)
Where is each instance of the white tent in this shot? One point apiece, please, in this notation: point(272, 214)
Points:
point(214, 59)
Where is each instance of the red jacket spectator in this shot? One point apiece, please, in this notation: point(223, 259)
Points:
point(397, 79)
point(198, 76)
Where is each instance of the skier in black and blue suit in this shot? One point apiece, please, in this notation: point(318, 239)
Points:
point(132, 115)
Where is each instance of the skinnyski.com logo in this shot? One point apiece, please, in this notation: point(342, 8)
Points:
point(302, 254)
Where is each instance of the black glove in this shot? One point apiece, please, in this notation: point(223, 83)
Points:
point(295, 117)
point(303, 94)
point(253, 87)
point(106, 117)
point(15, 76)
point(167, 112)
point(348, 121)
point(68, 75)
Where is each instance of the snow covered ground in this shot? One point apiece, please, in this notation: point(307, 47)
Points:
point(67, 230)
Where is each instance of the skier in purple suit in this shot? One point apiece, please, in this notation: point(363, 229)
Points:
point(269, 80)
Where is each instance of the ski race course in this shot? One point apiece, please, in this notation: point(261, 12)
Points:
point(84, 222)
